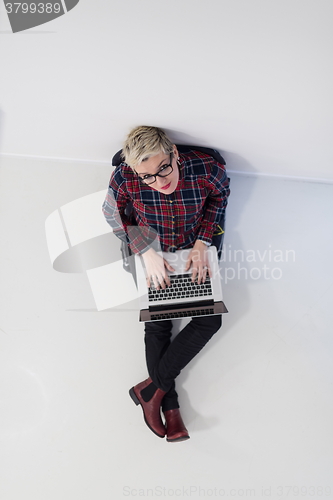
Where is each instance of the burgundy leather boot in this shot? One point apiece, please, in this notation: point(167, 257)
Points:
point(151, 408)
point(175, 428)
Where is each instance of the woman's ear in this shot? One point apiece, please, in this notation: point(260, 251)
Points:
point(175, 152)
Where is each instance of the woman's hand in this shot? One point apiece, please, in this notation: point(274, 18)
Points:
point(199, 259)
point(156, 269)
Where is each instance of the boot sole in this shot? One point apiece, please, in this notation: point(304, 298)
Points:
point(177, 440)
point(137, 402)
point(134, 396)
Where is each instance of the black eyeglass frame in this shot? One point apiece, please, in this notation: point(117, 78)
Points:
point(158, 174)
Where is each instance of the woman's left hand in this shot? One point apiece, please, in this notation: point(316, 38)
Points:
point(199, 258)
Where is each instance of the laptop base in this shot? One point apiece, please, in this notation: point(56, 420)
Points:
point(173, 313)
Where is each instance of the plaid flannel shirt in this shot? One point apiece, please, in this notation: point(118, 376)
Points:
point(191, 212)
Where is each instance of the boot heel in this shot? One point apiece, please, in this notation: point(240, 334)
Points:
point(134, 396)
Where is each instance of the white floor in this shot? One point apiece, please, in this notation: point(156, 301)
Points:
point(257, 400)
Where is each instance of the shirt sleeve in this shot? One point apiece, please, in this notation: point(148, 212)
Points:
point(139, 238)
point(216, 202)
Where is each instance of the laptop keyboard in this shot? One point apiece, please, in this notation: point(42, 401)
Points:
point(182, 314)
point(181, 287)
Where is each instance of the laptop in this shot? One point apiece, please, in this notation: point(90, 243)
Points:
point(182, 298)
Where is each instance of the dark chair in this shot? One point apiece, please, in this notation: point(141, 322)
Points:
point(218, 235)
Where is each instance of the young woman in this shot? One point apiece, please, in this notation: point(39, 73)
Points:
point(181, 198)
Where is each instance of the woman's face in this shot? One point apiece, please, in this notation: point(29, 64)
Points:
point(154, 164)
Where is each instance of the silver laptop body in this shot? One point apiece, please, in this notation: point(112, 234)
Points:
point(182, 298)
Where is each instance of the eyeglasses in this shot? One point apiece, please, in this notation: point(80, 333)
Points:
point(163, 172)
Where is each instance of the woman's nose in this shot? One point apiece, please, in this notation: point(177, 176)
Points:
point(161, 181)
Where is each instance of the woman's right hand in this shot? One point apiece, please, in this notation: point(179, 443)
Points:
point(156, 266)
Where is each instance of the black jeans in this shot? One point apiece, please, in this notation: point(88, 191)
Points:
point(166, 359)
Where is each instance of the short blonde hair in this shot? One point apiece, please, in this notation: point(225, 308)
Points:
point(143, 142)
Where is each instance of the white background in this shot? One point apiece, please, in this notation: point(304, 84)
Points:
point(252, 78)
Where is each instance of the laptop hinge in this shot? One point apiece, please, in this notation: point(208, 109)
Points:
point(197, 303)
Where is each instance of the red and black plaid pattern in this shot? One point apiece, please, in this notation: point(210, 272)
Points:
point(191, 212)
